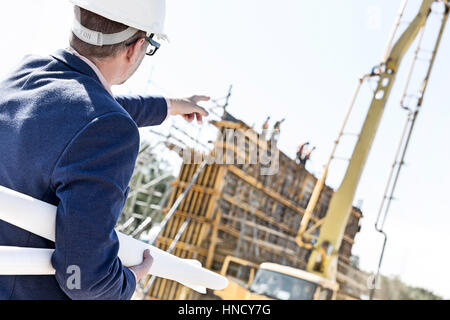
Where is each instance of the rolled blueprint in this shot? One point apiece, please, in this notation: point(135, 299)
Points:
point(39, 218)
point(25, 261)
point(16, 261)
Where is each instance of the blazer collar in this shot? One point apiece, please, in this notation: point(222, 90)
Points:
point(75, 63)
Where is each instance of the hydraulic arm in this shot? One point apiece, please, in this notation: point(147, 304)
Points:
point(324, 255)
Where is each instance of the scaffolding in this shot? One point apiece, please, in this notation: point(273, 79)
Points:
point(233, 209)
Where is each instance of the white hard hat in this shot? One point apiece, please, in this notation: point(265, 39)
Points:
point(145, 15)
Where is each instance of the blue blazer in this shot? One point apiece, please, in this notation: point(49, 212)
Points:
point(66, 141)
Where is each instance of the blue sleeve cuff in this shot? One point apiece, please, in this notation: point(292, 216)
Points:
point(132, 283)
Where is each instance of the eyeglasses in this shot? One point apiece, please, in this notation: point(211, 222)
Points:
point(152, 48)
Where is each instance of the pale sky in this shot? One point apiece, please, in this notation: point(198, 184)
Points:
point(298, 60)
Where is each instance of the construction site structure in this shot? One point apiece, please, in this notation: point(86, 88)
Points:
point(223, 212)
point(237, 211)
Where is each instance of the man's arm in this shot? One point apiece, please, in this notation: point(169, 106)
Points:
point(146, 111)
point(91, 180)
point(150, 111)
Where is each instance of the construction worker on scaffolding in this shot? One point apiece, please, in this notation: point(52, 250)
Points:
point(276, 131)
point(71, 143)
point(300, 150)
point(307, 156)
point(304, 155)
point(265, 129)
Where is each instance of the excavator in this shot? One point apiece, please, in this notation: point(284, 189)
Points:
point(319, 280)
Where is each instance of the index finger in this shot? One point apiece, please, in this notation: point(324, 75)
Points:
point(197, 99)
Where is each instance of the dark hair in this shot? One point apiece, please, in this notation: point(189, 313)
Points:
point(98, 23)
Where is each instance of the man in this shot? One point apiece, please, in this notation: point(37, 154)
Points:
point(307, 156)
point(300, 151)
point(66, 140)
point(276, 131)
point(265, 129)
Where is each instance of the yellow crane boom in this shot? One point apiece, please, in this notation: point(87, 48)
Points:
point(324, 255)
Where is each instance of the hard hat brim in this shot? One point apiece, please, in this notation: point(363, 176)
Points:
point(156, 27)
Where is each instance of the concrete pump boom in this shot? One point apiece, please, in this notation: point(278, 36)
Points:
point(324, 256)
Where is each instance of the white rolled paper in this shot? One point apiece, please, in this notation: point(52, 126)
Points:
point(25, 261)
point(30, 261)
point(39, 218)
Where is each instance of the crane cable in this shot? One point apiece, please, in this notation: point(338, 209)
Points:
point(405, 140)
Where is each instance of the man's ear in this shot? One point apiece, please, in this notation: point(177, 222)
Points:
point(134, 51)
